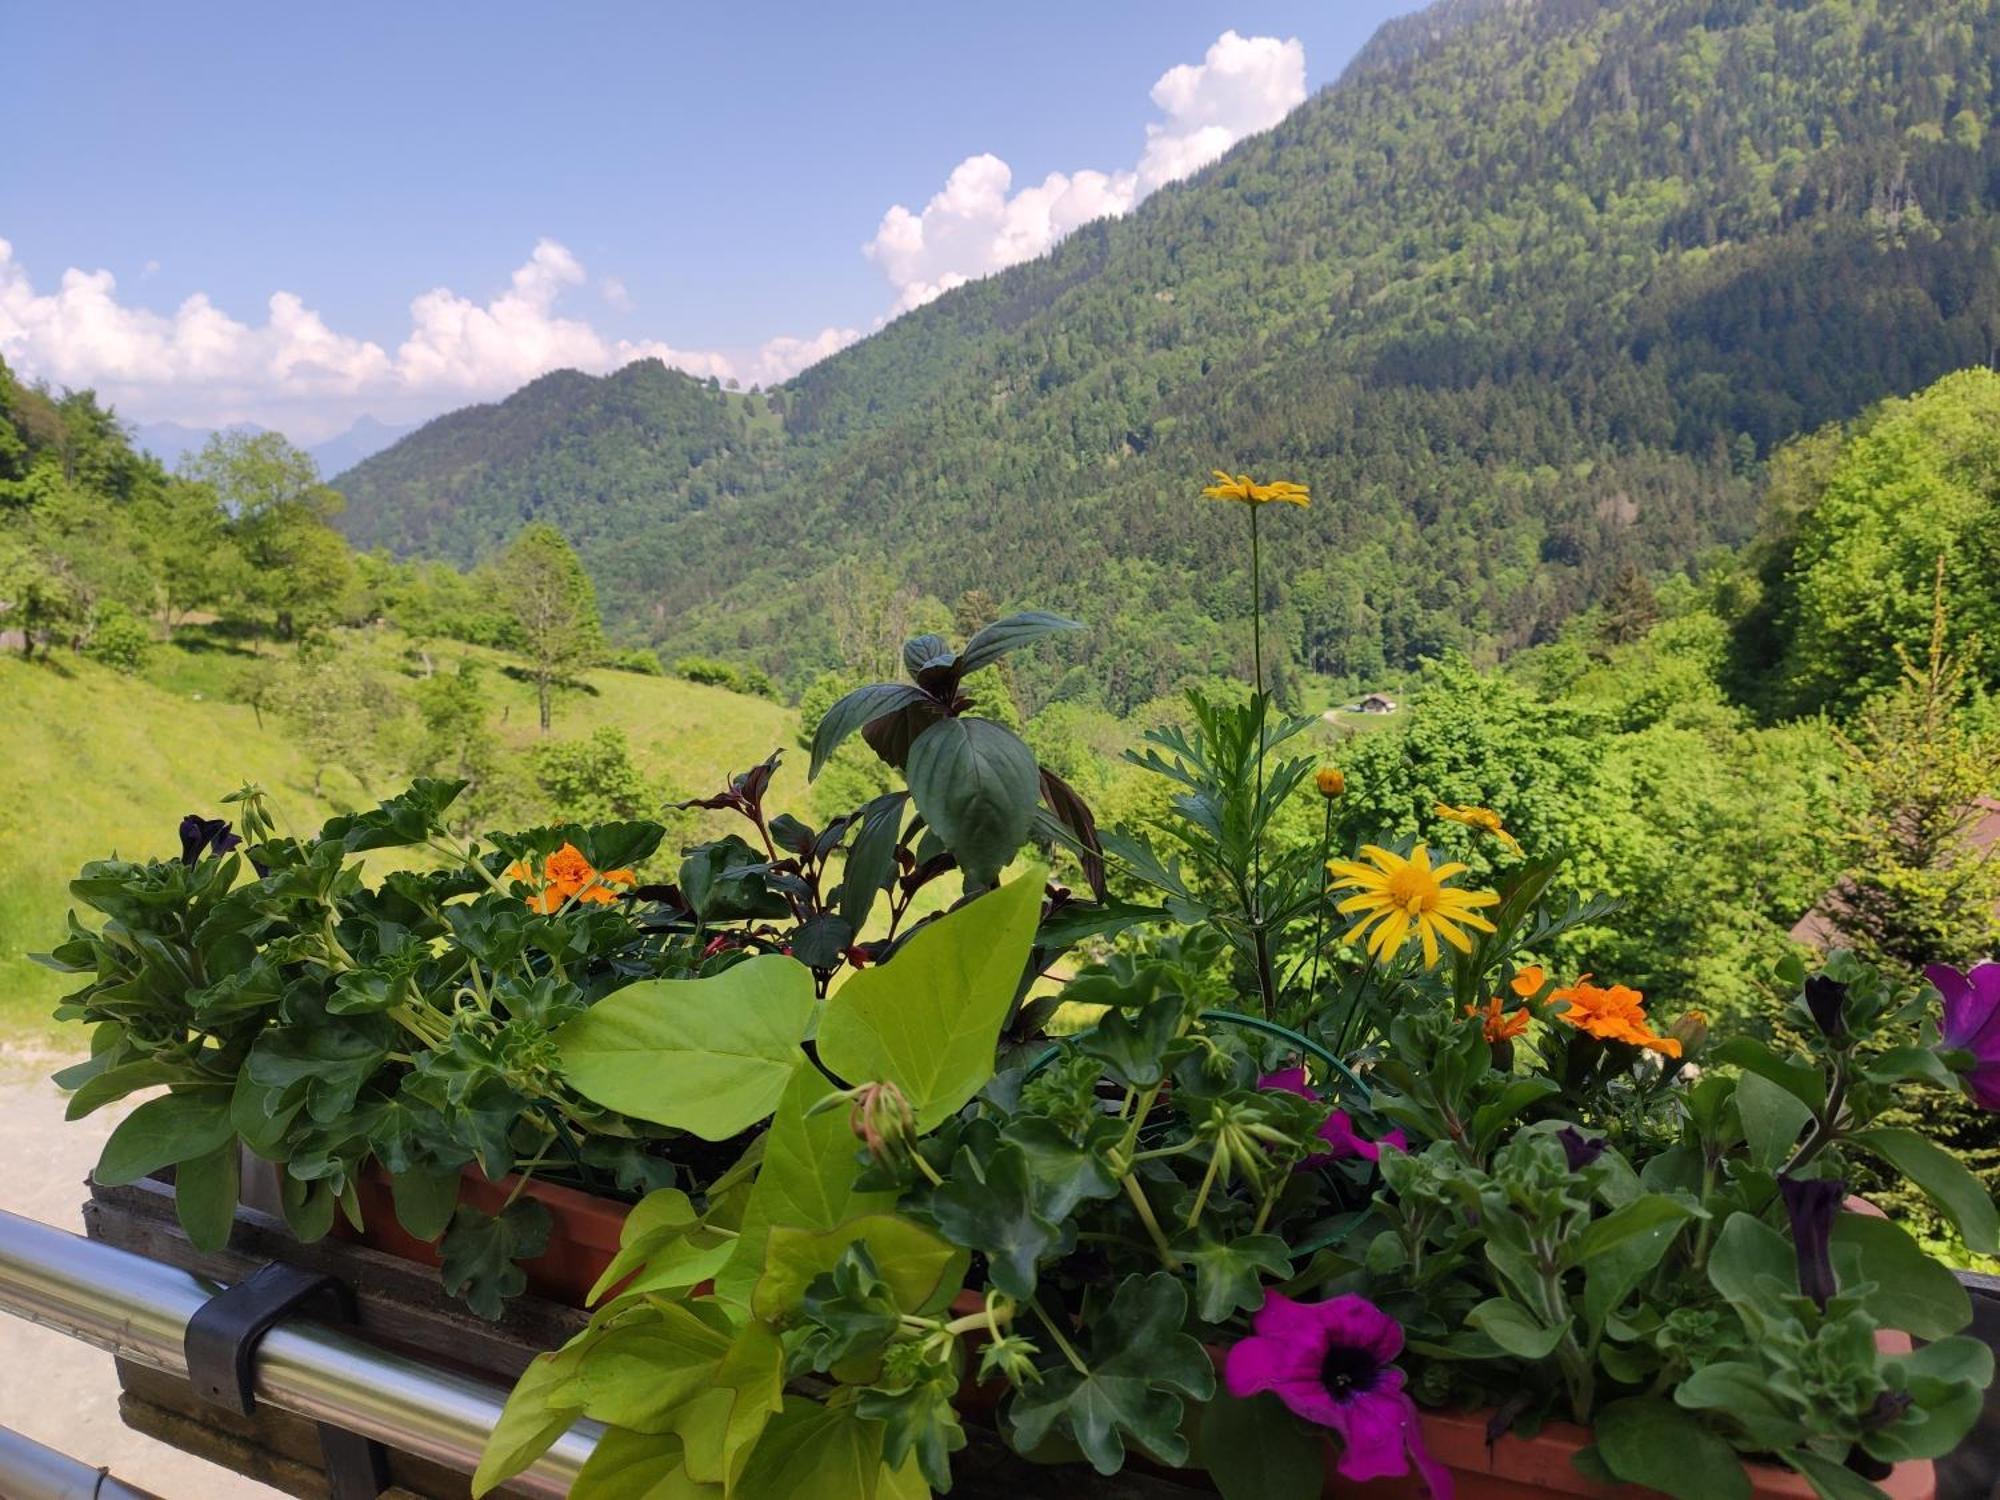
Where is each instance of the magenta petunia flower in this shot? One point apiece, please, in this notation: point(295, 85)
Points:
point(1338, 1132)
point(1330, 1362)
point(1972, 1024)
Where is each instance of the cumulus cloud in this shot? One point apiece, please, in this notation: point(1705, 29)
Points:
point(198, 364)
point(978, 223)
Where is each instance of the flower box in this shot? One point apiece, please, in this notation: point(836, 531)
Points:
point(583, 1232)
point(1517, 1468)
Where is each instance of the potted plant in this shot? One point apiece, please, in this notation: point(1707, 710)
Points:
point(1316, 1176)
point(392, 1043)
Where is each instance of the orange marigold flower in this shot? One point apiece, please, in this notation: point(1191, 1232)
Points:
point(1331, 781)
point(571, 878)
point(567, 870)
point(1500, 1027)
point(522, 871)
point(1528, 982)
point(1612, 1013)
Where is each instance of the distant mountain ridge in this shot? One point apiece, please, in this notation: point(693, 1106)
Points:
point(169, 442)
point(1526, 297)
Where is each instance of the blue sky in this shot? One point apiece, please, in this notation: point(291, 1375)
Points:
point(708, 178)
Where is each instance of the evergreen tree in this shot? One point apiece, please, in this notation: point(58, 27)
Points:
point(1917, 890)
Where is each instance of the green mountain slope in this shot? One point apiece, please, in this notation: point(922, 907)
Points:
point(1525, 297)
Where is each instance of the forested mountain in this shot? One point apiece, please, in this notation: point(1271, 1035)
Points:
point(1526, 297)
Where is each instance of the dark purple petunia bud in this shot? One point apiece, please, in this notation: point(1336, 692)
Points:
point(1812, 1205)
point(1579, 1151)
point(203, 836)
point(1827, 1000)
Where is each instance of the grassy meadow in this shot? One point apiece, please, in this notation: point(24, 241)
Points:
point(101, 762)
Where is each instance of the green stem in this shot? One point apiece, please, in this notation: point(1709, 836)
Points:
point(1145, 1211)
point(1068, 1349)
point(1207, 1183)
point(1319, 907)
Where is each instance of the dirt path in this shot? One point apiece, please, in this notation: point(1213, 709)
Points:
point(54, 1389)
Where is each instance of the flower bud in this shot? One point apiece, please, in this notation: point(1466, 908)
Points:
point(1331, 781)
point(1827, 1000)
point(882, 1120)
point(1691, 1031)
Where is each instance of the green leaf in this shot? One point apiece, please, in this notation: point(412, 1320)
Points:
point(871, 859)
point(1642, 1216)
point(1140, 1364)
point(426, 1198)
point(1772, 1118)
point(1257, 1450)
point(1514, 1329)
point(711, 1056)
point(637, 1373)
point(657, 1224)
point(529, 1423)
point(806, 1180)
point(1830, 1480)
point(1945, 1179)
point(1229, 1275)
point(929, 1019)
point(918, 1423)
point(639, 1466)
point(921, 1270)
point(1066, 1172)
point(720, 1427)
point(205, 1193)
point(989, 1205)
point(1010, 634)
point(976, 784)
point(172, 1128)
point(1746, 1255)
point(1740, 1394)
point(115, 1083)
point(1912, 1292)
point(1134, 1053)
point(1648, 1441)
point(827, 1452)
point(1805, 1084)
point(479, 1251)
point(849, 713)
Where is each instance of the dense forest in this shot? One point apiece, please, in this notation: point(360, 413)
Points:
point(1529, 297)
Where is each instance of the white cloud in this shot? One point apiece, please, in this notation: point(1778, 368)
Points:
point(977, 224)
point(201, 366)
point(615, 293)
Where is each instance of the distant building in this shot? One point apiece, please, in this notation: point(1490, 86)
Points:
point(1819, 929)
point(1376, 703)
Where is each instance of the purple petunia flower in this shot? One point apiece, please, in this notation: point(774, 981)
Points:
point(201, 836)
point(1578, 1149)
point(1827, 1000)
point(1338, 1132)
point(1972, 1024)
point(1812, 1206)
point(1330, 1362)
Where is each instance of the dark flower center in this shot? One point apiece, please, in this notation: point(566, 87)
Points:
point(1347, 1372)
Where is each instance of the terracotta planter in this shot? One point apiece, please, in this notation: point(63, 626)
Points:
point(1517, 1468)
point(582, 1238)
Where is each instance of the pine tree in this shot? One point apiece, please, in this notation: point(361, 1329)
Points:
point(1917, 890)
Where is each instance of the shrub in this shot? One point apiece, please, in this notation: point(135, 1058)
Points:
point(120, 639)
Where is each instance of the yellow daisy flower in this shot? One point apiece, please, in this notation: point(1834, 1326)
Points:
point(1484, 819)
point(1395, 896)
point(1245, 491)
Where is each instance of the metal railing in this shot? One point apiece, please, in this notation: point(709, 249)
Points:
point(138, 1309)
